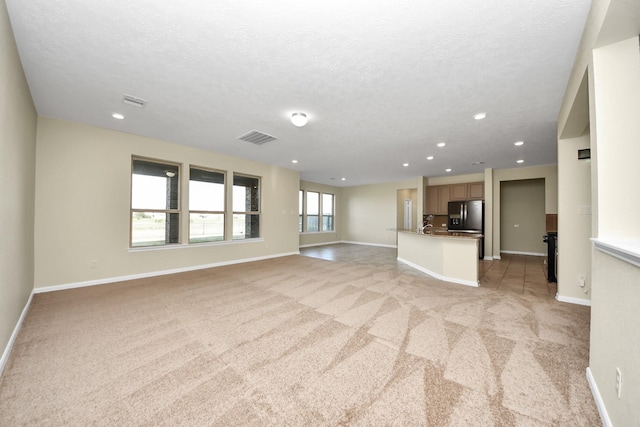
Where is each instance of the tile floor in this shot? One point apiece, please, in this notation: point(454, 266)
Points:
point(512, 273)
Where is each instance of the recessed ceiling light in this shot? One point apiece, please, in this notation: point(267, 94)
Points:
point(117, 116)
point(429, 157)
point(299, 119)
point(518, 143)
point(343, 179)
point(480, 116)
point(294, 161)
point(441, 144)
point(519, 161)
point(448, 170)
point(405, 164)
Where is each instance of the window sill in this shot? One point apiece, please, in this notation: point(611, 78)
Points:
point(627, 250)
point(195, 245)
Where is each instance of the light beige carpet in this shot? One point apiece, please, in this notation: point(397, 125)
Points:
point(298, 341)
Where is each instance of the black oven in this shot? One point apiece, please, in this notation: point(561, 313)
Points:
point(551, 239)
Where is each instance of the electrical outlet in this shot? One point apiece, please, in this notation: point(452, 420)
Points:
point(94, 263)
point(582, 280)
point(618, 382)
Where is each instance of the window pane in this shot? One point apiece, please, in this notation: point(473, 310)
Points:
point(206, 196)
point(206, 227)
point(246, 194)
point(153, 228)
point(148, 192)
point(312, 222)
point(327, 212)
point(327, 223)
point(313, 201)
point(206, 190)
point(246, 226)
point(327, 204)
point(300, 205)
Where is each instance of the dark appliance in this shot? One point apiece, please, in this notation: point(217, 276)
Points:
point(551, 239)
point(467, 217)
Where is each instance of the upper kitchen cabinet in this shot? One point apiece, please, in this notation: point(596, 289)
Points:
point(467, 191)
point(437, 199)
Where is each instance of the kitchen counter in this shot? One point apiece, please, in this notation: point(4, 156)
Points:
point(448, 256)
point(443, 233)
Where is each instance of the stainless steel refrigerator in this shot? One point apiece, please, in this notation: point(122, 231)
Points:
point(468, 217)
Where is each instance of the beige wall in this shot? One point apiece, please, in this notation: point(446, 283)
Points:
point(548, 173)
point(574, 219)
point(610, 56)
point(370, 211)
point(616, 285)
point(83, 200)
point(522, 216)
point(17, 174)
point(311, 239)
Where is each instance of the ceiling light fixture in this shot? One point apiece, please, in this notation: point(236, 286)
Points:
point(343, 179)
point(519, 161)
point(448, 170)
point(405, 164)
point(429, 157)
point(441, 144)
point(117, 116)
point(518, 143)
point(299, 119)
point(294, 161)
point(480, 116)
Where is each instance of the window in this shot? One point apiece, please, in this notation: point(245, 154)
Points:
point(246, 207)
point(206, 205)
point(155, 215)
point(313, 210)
point(316, 211)
point(327, 212)
point(300, 209)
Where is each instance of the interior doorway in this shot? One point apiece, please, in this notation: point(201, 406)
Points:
point(522, 217)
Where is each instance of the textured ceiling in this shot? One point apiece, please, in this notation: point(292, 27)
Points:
point(381, 81)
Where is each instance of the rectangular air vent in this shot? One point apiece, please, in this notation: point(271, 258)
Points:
point(256, 137)
point(135, 101)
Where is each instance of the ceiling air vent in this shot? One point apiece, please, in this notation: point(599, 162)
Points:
point(132, 100)
point(256, 137)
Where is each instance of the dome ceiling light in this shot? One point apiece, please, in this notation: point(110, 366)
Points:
point(299, 119)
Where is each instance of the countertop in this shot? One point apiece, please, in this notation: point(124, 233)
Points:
point(441, 233)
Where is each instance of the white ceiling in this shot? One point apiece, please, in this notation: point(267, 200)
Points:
point(382, 81)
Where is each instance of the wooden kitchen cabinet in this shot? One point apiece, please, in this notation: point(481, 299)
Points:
point(467, 191)
point(437, 199)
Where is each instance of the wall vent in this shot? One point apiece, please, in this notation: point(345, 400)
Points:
point(256, 137)
point(135, 101)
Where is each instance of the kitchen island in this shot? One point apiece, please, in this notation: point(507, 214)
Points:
point(452, 257)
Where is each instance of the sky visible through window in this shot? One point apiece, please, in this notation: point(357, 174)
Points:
point(150, 192)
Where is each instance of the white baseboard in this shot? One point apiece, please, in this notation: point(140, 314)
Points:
point(14, 335)
point(154, 273)
point(488, 258)
point(523, 253)
point(573, 300)
point(370, 244)
point(602, 410)
point(321, 244)
point(439, 276)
